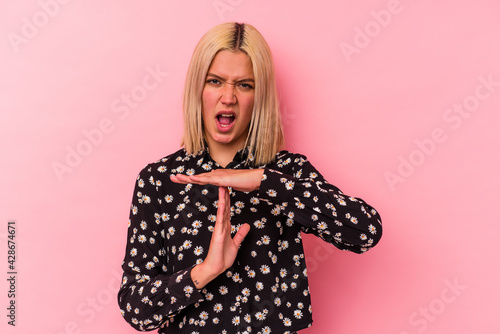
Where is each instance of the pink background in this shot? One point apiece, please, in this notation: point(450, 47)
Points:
point(368, 91)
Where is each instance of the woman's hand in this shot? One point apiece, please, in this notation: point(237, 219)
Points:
point(238, 179)
point(223, 249)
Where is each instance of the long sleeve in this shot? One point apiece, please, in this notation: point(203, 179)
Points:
point(303, 196)
point(149, 295)
point(266, 289)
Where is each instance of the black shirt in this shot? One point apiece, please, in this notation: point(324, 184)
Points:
point(266, 290)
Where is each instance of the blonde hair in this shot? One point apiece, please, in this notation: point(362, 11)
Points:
point(265, 135)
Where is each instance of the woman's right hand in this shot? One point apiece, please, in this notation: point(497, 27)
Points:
point(223, 249)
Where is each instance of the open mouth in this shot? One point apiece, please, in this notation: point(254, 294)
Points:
point(225, 119)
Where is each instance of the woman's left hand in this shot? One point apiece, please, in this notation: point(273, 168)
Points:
point(238, 179)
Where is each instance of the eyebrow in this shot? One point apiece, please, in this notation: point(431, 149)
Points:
point(220, 78)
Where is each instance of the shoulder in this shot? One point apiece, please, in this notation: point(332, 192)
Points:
point(285, 157)
point(170, 164)
point(287, 162)
point(156, 175)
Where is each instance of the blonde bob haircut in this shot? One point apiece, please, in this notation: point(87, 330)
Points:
point(265, 135)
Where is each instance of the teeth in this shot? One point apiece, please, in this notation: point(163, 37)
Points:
point(225, 119)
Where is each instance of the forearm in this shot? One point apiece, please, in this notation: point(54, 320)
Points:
point(304, 197)
point(146, 303)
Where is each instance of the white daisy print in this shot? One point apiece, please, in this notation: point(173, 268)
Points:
point(133, 252)
point(372, 229)
point(259, 224)
point(171, 225)
point(265, 269)
point(198, 250)
point(272, 193)
point(321, 226)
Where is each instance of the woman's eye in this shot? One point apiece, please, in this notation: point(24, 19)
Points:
point(245, 86)
point(213, 81)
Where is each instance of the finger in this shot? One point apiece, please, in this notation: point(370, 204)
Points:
point(241, 234)
point(221, 209)
point(200, 179)
point(223, 195)
point(227, 211)
point(185, 179)
point(180, 178)
point(227, 201)
point(207, 178)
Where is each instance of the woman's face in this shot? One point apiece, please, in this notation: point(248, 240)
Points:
point(228, 98)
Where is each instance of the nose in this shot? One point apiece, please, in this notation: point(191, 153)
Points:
point(228, 94)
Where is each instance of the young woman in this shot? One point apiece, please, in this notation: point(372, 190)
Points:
point(214, 239)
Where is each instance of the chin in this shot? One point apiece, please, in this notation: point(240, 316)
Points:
point(224, 140)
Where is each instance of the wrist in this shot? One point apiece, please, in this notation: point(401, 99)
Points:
point(201, 276)
point(259, 172)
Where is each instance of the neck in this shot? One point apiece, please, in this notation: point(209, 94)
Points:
point(223, 154)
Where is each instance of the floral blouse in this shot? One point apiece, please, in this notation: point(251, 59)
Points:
point(266, 290)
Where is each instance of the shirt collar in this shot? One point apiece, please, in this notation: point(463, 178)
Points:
point(238, 161)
